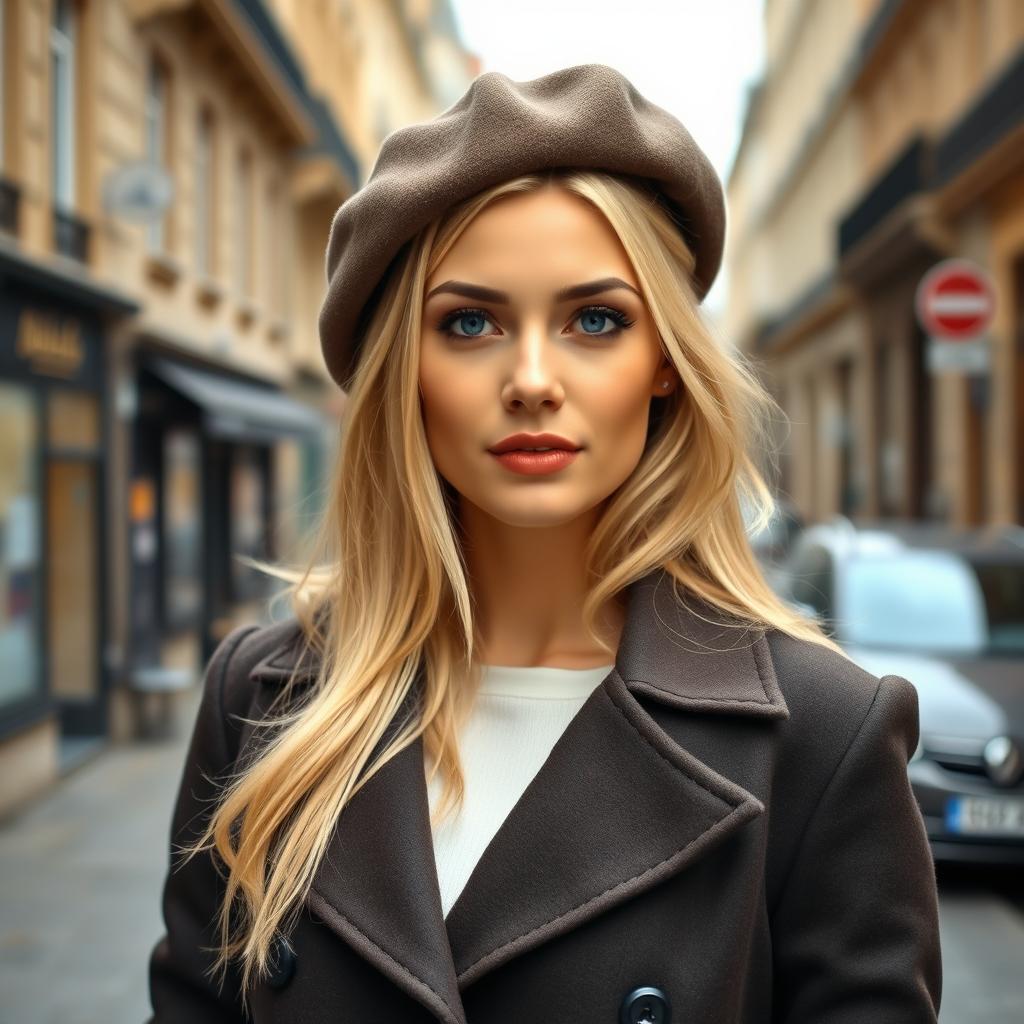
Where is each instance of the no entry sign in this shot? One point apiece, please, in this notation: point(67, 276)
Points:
point(955, 301)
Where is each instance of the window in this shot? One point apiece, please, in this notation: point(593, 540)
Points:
point(243, 217)
point(204, 194)
point(249, 513)
point(915, 600)
point(273, 246)
point(1002, 585)
point(278, 248)
point(156, 107)
point(19, 546)
point(182, 529)
point(3, 72)
point(62, 91)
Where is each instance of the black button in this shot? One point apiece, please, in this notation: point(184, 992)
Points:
point(647, 1005)
point(282, 963)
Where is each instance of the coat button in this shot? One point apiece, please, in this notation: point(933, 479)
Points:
point(647, 1005)
point(282, 963)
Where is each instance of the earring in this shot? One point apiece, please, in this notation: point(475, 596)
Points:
point(664, 383)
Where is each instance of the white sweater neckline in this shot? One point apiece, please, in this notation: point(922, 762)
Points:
point(541, 682)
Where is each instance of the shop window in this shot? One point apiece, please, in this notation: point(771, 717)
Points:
point(287, 493)
point(182, 529)
point(249, 513)
point(19, 546)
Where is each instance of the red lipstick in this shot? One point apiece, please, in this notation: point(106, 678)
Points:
point(514, 453)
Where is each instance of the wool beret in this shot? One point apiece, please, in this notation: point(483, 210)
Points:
point(586, 116)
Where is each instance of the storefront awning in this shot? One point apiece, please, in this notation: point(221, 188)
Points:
point(237, 411)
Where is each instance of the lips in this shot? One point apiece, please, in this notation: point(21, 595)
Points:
point(526, 442)
point(536, 463)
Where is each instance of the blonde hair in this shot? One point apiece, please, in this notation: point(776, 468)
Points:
point(385, 591)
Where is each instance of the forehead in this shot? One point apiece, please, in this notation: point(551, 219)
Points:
point(548, 234)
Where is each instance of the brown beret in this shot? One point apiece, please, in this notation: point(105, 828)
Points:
point(587, 116)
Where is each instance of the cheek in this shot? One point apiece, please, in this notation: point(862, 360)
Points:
point(437, 400)
point(619, 407)
point(618, 414)
point(448, 408)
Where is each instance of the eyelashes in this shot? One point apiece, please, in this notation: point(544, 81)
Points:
point(620, 319)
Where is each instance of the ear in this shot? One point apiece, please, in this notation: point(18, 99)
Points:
point(665, 379)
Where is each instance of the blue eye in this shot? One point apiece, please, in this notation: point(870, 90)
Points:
point(475, 317)
point(473, 321)
point(600, 313)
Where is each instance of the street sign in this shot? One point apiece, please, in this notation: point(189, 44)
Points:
point(955, 303)
point(955, 300)
point(962, 356)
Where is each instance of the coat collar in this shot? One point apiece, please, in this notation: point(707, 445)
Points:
point(642, 808)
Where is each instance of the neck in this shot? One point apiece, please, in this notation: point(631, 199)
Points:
point(528, 585)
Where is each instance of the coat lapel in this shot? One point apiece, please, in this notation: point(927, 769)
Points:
point(617, 807)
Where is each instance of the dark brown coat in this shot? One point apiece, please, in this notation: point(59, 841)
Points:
point(728, 819)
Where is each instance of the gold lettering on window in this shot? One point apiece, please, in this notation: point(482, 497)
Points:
point(50, 346)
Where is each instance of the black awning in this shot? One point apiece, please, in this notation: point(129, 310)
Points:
point(238, 411)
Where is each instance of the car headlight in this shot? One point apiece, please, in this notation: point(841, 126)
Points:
point(1003, 760)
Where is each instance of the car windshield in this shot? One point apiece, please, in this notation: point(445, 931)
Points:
point(935, 601)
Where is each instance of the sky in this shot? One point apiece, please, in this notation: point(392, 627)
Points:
point(695, 58)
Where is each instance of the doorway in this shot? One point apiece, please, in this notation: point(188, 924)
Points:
point(74, 562)
point(73, 583)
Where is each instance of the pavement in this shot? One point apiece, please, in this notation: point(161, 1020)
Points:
point(81, 873)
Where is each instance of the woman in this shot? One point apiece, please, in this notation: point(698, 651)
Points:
point(539, 742)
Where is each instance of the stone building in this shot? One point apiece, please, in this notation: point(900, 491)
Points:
point(168, 171)
point(884, 137)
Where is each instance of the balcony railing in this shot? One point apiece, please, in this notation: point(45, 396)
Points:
point(994, 115)
point(70, 235)
point(907, 174)
point(10, 198)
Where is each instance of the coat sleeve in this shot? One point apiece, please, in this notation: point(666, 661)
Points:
point(179, 988)
point(856, 929)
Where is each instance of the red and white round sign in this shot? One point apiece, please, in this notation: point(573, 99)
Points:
point(955, 300)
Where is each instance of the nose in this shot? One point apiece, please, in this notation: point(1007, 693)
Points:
point(535, 377)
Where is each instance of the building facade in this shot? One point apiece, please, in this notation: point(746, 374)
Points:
point(168, 173)
point(884, 137)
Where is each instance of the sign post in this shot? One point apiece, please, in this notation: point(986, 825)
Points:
point(955, 303)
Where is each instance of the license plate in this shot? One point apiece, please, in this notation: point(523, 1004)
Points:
point(985, 815)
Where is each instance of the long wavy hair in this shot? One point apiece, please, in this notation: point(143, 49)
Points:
point(383, 594)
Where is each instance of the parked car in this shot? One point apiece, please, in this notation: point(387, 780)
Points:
point(944, 609)
point(772, 542)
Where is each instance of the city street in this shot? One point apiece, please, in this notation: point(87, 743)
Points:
point(82, 870)
point(237, 243)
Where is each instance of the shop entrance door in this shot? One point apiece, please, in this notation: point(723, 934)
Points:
point(73, 532)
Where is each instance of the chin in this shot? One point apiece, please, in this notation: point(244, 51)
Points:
point(535, 511)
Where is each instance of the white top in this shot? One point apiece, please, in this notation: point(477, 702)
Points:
point(516, 719)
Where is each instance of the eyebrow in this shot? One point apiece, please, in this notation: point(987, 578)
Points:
point(576, 291)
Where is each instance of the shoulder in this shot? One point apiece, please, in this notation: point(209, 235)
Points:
point(830, 697)
point(248, 667)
